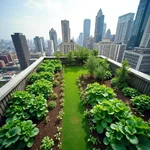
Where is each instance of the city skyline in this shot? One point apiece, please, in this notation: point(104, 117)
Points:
point(29, 18)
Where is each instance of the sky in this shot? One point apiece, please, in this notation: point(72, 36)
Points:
point(37, 17)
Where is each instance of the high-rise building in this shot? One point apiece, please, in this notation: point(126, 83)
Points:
point(53, 36)
point(108, 34)
point(140, 22)
point(22, 50)
point(50, 50)
point(124, 28)
point(104, 30)
point(43, 43)
point(145, 42)
point(86, 29)
point(99, 26)
point(38, 44)
point(89, 42)
point(80, 39)
point(65, 31)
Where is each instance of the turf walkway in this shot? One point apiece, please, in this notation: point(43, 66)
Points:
point(74, 131)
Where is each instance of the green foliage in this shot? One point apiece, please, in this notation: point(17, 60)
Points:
point(43, 67)
point(100, 73)
point(16, 134)
point(94, 52)
point(121, 76)
point(70, 58)
point(47, 143)
point(141, 103)
point(93, 140)
point(26, 106)
point(109, 111)
point(58, 67)
point(132, 133)
point(40, 87)
point(51, 104)
point(131, 92)
point(55, 83)
point(42, 75)
point(108, 75)
point(91, 65)
point(95, 93)
point(54, 96)
point(60, 115)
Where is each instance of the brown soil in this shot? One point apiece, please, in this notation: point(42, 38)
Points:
point(50, 128)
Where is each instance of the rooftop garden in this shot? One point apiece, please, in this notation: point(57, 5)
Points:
point(80, 105)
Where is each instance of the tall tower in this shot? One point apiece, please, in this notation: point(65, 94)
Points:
point(22, 50)
point(99, 26)
point(53, 36)
point(86, 30)
point(38, 44)
point(104, 30)
point(81, 39)
point(43, 43)
point(124, 28)
point(50, 50)
point(140, 22)
point(65, 31)
point(108, 34)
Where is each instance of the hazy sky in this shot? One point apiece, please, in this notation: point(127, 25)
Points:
point(37, 17)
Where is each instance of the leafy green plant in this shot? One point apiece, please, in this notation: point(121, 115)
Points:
point(131, 92)
point(57, 136)
point(121, 76)
point(59, 146)
point(62, 94)
point(55, 83)
point(47, 119)
point(109, 111)
point(100, 73)
point(108, 75)
point(16, 134)
point(60, 115)
point(93, 140)
point(40, 87)
point(54, 96)
point(58, 67)
point(70, 58)
point(94, 52)
point(51, 104)
point(47, 143)
point(91, 65)
point(26, 106)
point(95, 93)
point(141, 103)
point(132, 133)
point(33, 77)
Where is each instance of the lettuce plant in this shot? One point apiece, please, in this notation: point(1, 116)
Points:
point(141, 103)
point(131, 92)
point(96, 93)
point(132, 133)
point(16, 134)
point(47, 143)
point(41, 87)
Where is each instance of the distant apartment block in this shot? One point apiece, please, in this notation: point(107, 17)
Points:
point(124, 28)
point(108, 34)
point(89, 42)
point(110, 49)
point(22, 50)
point(38, 44)
point(65, 31)
point(139, 59)
point(50, 50)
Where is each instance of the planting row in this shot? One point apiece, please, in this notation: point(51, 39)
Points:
point(115, 126)
point(25, 107)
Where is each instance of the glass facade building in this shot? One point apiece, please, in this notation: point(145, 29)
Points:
point(141, 19)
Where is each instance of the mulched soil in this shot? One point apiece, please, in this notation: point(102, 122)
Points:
point(88, 80)
point(50, 128)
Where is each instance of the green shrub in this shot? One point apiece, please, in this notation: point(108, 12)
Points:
point(26, 106)
point(54, 96)
point(108, 75)
point(70, 58)
point(46, 68)
point(141, 103)
point(95, 93)
point(16, 134)
point(40, 87)
point(58, 67)
point(33, 77)
point(47, 143)
point(55, 83)
point(131, 92)
point(51, 104)
point(100, 73)
point(94, 52)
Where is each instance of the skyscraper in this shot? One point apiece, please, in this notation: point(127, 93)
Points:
point(81, 39)
point(53, 36)
point(142, 15)
point(124, 28)
point(38, 44)
point(104, 30)
point(86, 29)
point(22, 50)
point(108, 34)
point(145, 42)
point(50, 50)
point(43, 43)
point(65, 31)
point(99, 26)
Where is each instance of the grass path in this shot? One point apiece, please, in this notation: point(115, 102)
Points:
point(75, 132)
